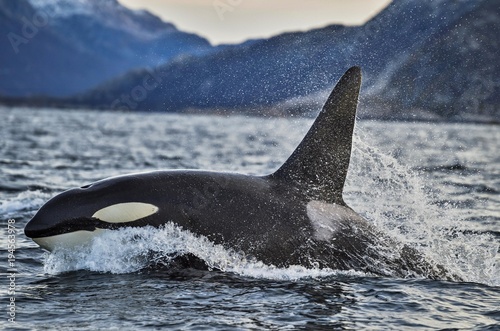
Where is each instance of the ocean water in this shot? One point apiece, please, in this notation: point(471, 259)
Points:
point(434, 187)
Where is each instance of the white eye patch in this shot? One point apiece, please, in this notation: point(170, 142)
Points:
point(125, 212)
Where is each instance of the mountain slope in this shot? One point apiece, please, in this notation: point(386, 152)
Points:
point(61, 47)
point(410, 54)
point(456, 73)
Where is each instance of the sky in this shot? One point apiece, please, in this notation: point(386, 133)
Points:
point(234, 21)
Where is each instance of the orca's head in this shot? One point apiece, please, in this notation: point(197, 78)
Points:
point(74, 217)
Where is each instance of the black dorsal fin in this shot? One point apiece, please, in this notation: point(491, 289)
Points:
point(321, 160)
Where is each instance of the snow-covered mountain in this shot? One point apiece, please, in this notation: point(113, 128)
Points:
point(109, 13)
point(61, 47)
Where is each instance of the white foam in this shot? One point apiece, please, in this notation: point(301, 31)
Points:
point(24, 201)
point(397, 201)
point(132, 249)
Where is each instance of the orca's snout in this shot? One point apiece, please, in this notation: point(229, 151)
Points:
point(58, 220)
point(75, 217)
point(33, 229)
point(40, 226)
point(62, 213)
point(49, 231)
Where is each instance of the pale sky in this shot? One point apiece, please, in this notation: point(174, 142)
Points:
point(234, 21)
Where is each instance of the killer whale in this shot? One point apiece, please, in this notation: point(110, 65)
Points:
point(294, 216)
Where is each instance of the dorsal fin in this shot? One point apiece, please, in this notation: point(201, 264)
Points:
point(321, 160)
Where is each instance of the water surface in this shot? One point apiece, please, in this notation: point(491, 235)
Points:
point(434, 187)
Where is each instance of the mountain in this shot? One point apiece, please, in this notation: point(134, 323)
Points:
point(421, 60)
point(428, 59)
point(454, 74)
point(62, 47)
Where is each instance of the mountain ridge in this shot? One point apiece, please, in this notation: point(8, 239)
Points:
point(415, 65)
point(62, 47)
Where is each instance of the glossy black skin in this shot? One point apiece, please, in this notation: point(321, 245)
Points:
point(262, 217)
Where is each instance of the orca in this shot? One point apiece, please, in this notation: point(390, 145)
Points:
point(294, 216)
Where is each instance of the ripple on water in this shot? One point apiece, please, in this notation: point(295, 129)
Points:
point(435, 197)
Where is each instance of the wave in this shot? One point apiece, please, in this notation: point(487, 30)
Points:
point(130, 250)
point(134, 249)
point(455, 167)
point(24, 202)
point(474, 188)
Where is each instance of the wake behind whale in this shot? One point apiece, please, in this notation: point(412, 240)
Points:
point(293, 217)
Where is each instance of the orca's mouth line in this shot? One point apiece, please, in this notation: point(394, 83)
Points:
point(71, 225)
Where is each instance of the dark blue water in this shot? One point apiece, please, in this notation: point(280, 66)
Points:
point(434, 187)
